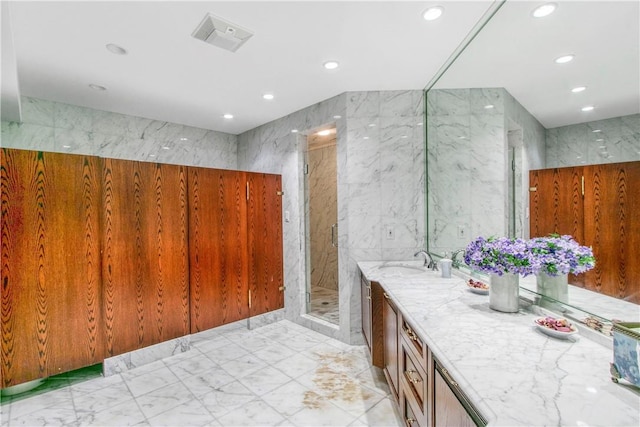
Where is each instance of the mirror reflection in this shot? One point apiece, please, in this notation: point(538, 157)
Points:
point(535, 93)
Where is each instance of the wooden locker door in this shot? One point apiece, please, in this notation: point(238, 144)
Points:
point(145, 254)
point(265, 242)
point(51, 287)
point(217, 247)
point(612, 228)
point(556, 205)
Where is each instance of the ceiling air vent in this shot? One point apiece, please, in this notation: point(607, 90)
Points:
point(221, 33)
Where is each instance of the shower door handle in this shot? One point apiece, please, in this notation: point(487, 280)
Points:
point(333, 235)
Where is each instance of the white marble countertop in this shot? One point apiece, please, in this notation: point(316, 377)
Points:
point(513, 373)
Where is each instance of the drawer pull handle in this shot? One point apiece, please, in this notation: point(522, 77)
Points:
point(385, 295)
point(410, 334)
point(410, 377)
point(409, 421)
point(448, 378)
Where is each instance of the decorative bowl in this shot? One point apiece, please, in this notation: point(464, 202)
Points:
point(557, 328)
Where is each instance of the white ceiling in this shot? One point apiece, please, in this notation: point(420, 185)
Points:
point(517, 52)
point(168, 75)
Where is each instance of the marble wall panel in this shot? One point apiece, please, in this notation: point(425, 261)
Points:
point(468, 160)
point(368, 120)
point(57, 127)
point(604, 141)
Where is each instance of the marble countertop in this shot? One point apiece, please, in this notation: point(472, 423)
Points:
point(513, 373)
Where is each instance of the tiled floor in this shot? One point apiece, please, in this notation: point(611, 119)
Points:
point(277, 375)
point(324, 304)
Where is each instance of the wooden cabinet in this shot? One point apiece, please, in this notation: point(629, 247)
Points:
point(372, 328)
point(391, 320)
point(145, 254)
point(235, 246)
point(424, 392)
point(264, 228)
point(51, 286)
point(597, 205)
point(449, 407)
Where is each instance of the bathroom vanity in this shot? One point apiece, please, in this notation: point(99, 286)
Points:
point(451, 360)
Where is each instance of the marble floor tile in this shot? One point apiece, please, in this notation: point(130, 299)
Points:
point(265, 380)
point(278, 374)
point(227, 398)
point(254, 413)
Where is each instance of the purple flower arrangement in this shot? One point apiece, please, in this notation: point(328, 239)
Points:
point(557, 255)
point(554, 255)
point(499, 255)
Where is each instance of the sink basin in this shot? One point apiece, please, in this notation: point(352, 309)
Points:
point(401, 269)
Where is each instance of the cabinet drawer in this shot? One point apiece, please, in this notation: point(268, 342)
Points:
point(414, 343)
point(415, 376)
point(409, 412)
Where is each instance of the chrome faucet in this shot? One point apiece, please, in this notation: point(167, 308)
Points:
point(455, 263)
point(428, 260)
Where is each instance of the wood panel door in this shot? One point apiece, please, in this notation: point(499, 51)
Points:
point(145, 254)
point(612, 228)
point(556, 205)
point(51, 287)
point(217, 247)
point(264, 227)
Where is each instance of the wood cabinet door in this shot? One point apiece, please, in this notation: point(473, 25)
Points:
point(448, 409)
point(217, 247)
point(612, 228)
point(391, 348)
point(51, 287)
point(145, 254)
point(264, 232)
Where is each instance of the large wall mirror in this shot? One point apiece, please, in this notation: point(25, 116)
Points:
point(507, 105)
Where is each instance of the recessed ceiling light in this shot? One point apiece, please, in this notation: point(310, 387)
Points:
point(596, 130)
point(419, 124)
point(152, 155)
point(114, 48)
point(564, 59)
point(579, 89)
point(544, 10)
point(228, 116)
point(66, 146)
point(404, 137)
point(97, 87)
point(433, 13)
point(294, 130)
point(331, 65)
point(165, 147)
point(337, 117)
point(371, 125)
point(600, 139)
point(366, 137)
point(184, 139)
point(268, 96)
point(324, 132)
point(588, 108)
point(488, 107)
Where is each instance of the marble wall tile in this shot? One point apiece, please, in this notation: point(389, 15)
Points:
point(57, 127)
point(614, 140)
point(27, 136)
point(467, 163)
point(359, 146)
point(37, 111)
